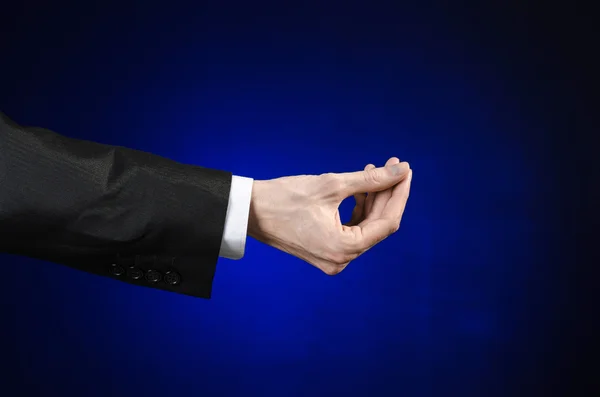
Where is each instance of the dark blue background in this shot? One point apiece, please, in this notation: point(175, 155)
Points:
point(467, 299)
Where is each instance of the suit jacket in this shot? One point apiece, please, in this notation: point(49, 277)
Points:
point(109, 210)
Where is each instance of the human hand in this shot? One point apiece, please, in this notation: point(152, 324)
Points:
point(300, 214)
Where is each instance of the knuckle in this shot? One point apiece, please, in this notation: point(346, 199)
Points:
point(328, 177)
point(393, 227)
point(372, 176)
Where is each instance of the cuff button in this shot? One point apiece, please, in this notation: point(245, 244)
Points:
point(135, 273)
point(172, 278)
point(153, 276)
point(117, 270)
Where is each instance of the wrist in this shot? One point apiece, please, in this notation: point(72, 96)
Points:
point(255, 204)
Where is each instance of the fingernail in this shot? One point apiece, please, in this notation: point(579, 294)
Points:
point(398, 169)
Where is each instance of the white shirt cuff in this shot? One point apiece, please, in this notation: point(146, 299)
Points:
point(233, 242)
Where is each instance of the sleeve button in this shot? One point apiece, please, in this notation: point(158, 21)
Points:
point(172, 278)
point(153, 276)
point(117, 270)
point(135, 273)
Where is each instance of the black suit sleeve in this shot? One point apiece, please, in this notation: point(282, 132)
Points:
point(110, 210)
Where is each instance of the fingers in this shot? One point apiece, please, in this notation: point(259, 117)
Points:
point(381, 198)
point(358, 213)
point(370, 196)
point(389, 221)
point(394, 208)
point(371, 205)
point(373, 180)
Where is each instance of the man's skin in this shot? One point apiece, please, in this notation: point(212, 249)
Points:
point(107, 209)
point(300, 214)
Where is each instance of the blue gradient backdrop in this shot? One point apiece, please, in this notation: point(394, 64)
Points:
point(459, 302)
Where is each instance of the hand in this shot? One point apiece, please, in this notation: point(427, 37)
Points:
point(300, 214)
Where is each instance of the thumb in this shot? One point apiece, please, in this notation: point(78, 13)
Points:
point(374, 179)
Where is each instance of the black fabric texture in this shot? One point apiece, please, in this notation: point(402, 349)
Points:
point(103, 209)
